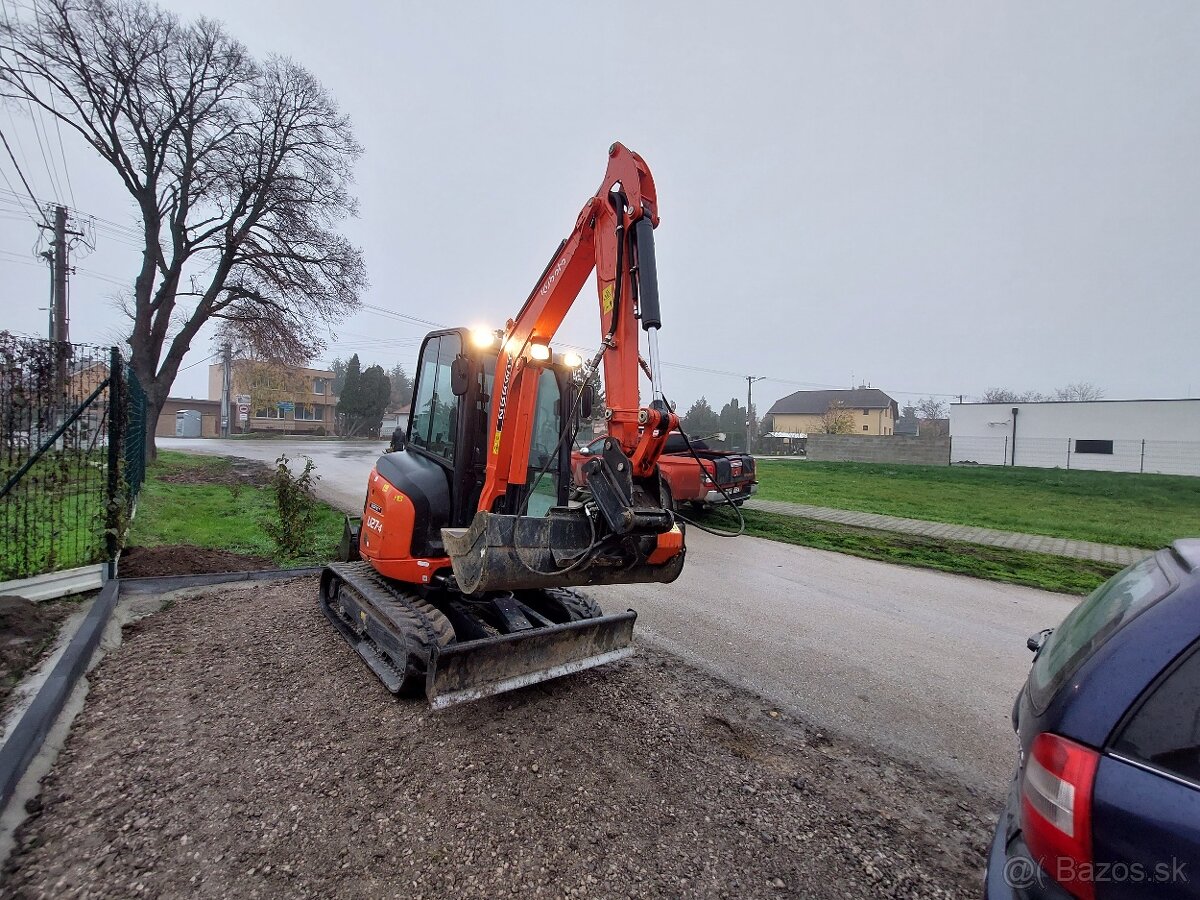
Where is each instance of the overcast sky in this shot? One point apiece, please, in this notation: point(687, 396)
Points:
point(929, 197)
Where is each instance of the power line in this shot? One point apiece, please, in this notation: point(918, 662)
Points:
point(198, 362)
point(725, 373)
point(61, 150)
point(16, 165)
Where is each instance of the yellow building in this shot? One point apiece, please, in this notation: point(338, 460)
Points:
point(292, 399)
point(859, 411)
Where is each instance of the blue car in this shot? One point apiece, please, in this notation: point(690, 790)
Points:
point(1105, 803)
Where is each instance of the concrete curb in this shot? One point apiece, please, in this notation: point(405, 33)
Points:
point(28, 734)
point(164, 583)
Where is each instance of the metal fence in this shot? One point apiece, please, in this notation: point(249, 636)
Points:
point(1134, 455)
point(72, 454)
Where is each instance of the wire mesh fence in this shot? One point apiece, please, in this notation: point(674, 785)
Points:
point(1131, 455)
point(67, 420)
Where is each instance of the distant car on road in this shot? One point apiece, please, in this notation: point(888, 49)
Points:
point(1105, 803)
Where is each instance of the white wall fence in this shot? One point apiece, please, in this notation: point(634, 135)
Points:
point(1133, 455)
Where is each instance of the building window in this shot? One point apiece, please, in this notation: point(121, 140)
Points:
point(866, 412)
point(866, 427)
point(1105, 447)
point(320, 385)
point(268, 412)
point(310, 412)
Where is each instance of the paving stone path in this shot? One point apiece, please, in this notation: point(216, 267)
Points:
point(1035, 543)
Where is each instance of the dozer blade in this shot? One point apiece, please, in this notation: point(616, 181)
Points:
point(475, 669)
point(508, 553)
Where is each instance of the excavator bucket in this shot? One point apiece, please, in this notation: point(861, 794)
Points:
point(506, 553)
point(469, 671)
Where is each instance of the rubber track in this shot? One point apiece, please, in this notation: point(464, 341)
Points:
point(428, 625)
point(580, 605)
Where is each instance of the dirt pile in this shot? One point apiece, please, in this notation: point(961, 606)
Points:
point(239, 472)
point(235, 746)
point(185, 559)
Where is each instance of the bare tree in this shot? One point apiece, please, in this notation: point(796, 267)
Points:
point(1076, 391)
point(931, 409)
point(1079, 391)
point(240, 171)
point(932, 413)
point(837, 420)
point(1006, 395)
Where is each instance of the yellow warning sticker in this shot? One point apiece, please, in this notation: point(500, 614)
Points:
point(496, 443)
point(606, 299)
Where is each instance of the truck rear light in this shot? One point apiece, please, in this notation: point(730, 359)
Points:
point(1056, 810)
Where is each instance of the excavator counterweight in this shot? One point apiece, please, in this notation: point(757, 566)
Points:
point(458, 579)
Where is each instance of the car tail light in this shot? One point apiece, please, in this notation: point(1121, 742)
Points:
point(1056, 810)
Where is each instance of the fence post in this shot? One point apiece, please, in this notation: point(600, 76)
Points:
point(1142, 464)
point(112, 530)
point(1004, 458)
point(1068, 454)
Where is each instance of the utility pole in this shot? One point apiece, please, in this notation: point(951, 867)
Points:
point(750, 379)
point(226, 386)
point(59, 269)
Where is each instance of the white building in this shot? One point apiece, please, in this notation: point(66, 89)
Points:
point(1113, 435)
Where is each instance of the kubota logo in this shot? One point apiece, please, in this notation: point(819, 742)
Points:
point(554, 275)
point(503, 405)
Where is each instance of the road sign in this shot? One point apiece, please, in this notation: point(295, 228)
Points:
point(286, 406)
point(243, 412)
point(243, 399)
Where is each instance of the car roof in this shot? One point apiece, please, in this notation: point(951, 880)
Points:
point(1089, 707)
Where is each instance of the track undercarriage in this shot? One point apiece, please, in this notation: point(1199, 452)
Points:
point(454, 647)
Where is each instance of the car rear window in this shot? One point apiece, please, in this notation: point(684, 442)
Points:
point(676, 444)
point(1091, 623)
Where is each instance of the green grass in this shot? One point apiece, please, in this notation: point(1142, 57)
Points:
point(1039, 570)
point(54, 518)
point(219, 516)
point(1109, 507)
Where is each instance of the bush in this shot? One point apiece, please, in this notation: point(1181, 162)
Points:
point(295, 506)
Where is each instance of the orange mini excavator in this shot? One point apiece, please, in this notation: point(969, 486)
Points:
point(458, 580)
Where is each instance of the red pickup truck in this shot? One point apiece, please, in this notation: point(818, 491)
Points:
point(691, 482)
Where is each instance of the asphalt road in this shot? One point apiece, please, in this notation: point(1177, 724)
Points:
point(921, 664)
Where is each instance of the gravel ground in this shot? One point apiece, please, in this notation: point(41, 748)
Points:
point(234, 746)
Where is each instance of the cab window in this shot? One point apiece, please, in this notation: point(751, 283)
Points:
point(545, 446)
point(435, 408)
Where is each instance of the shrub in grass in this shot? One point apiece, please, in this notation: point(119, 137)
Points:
point(295, 508)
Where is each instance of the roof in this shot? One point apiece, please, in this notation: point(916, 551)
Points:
point(907, 425)
point(814, 403)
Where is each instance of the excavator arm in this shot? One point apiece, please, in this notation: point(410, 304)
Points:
point(613, 235)
point(623, 534)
